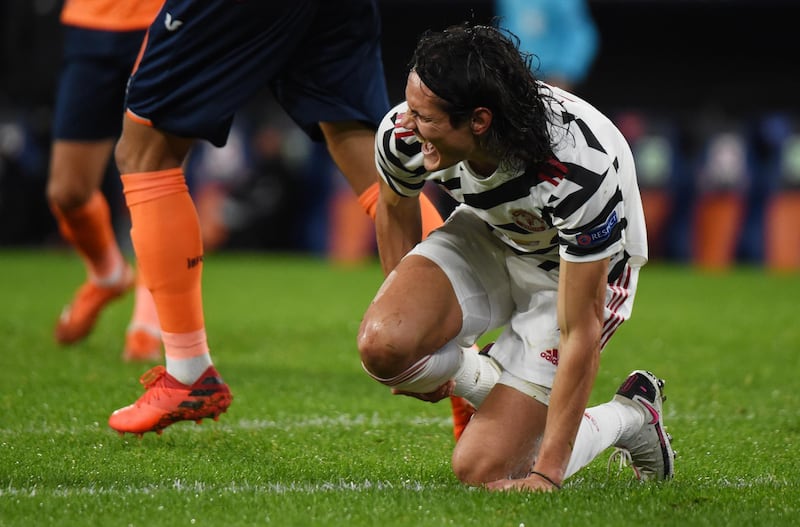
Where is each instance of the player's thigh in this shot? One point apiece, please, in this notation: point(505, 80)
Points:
point(91, 86)
point(474, 261)
point(204, 60)
point(144, 148)
point(415, 309)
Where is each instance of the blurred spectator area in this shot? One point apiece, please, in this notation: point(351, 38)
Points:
point(705, 91)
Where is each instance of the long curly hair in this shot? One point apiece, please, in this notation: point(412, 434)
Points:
point(470, 65)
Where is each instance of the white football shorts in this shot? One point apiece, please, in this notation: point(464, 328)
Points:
point(497, 287)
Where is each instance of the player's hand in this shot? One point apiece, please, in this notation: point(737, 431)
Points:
point(445, 390)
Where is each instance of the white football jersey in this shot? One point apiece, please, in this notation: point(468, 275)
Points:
point(582, 205)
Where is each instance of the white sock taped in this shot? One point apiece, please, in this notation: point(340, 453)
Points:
point(428, 373)
point(476, 377)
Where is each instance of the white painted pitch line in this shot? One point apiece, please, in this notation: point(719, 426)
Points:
point(344, 421)
point(293, 487)
point(199, 487)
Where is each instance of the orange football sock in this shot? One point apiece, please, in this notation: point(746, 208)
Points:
point(169, 250)
point(369, 200)
point(88, 228)
point(431, 219)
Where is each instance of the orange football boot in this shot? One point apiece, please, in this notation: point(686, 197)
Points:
point(167, 400)
point(78, 318)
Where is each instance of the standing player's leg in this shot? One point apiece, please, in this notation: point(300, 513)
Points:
point(92, 76)
point(166, 237)
point(84, 220)
point(212, 72)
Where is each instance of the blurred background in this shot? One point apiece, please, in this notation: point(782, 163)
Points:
point(705, 91)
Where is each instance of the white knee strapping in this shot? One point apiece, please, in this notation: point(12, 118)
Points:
point(428, 373)
point(476, 377)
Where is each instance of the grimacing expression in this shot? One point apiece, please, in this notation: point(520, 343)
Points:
point(442, 145)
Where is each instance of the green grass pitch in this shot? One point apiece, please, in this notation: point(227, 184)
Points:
point(311, 440)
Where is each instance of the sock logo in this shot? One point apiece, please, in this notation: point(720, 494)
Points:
point(550, 356)
point(194, 262)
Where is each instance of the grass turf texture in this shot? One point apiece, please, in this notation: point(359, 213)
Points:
point(311, 440)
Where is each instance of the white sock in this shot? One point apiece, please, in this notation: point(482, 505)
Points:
point(187, 355)
point(633, 418)
point(601, 427)
point(113, 278)
point(188, 370)
point(476, 377)
point(428, 373)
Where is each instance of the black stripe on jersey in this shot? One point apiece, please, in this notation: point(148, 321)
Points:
point(396, 184)
point(613, 237)
point(389, 159)
point(391, 182)
point(451, 184)
point(591, 140)
point(513, 189)
point(404, 148)
point(616, 271)
point(409, 150)
point(411, 187)
point(548, 265)
point(585, 178)
point(601, 218)
point(547, 250)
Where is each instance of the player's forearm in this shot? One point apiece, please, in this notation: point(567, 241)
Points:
point(577, 369)
point(398, 228)
point(581, 298)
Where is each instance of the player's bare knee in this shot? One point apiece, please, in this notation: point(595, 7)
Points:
point(474, 465)
point(67, 193)
point(384, 349)
point(473, 469)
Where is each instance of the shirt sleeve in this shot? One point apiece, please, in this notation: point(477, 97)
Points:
point(589, 213)
point(398, 155)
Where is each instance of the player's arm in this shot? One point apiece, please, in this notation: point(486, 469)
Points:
point(398, 158)
point(581, 300)
point(398, 226)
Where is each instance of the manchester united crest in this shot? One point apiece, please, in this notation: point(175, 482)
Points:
point(528, 220)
